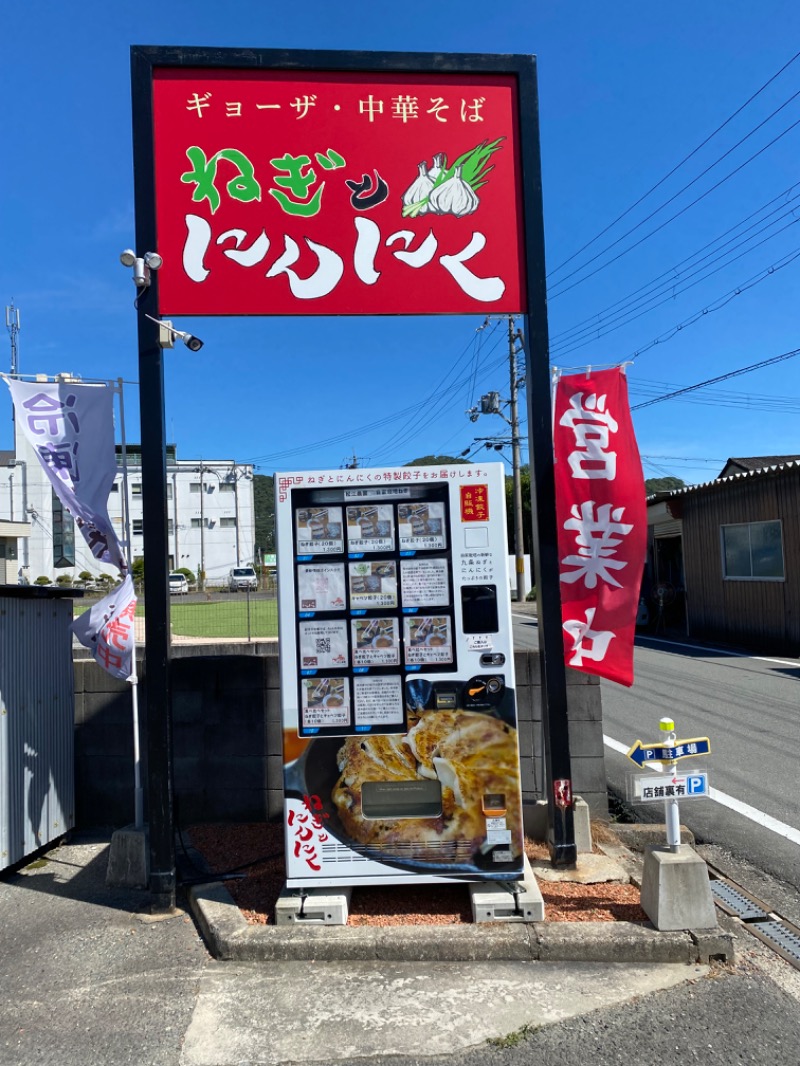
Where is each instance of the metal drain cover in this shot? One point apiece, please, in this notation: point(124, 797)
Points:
point(734, 902)
point(783, 940)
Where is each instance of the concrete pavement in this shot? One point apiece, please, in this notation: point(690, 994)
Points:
point(89, 977)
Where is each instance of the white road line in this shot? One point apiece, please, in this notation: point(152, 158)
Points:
point(721, 651)
point(759, 817)
point(711, 652)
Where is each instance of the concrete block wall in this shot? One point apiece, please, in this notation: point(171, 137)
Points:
point(585, 720)
point(227, 739)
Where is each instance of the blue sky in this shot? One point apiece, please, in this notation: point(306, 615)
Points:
point(627, 91)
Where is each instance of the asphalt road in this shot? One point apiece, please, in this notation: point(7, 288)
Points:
point(748, 707)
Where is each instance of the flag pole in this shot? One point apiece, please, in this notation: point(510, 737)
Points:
point(133, 679)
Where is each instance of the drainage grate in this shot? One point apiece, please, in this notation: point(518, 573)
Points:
point(734, 902)
point(782, 939)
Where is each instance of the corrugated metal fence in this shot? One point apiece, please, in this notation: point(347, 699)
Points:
point(37, 710)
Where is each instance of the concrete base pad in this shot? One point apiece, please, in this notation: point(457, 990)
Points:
point(676, 893)
point(129, 858)
point(535, 821)
point(589, 870)
point(507, 901)
point(313, 906)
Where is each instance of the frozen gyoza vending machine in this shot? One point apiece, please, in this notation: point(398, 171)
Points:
point(401, 760)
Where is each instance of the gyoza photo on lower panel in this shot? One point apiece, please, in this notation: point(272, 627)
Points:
point(325, 703)
point(428, 640)
point(376, 642)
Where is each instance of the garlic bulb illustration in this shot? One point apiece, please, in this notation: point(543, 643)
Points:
point(439, 161)
point(453, 197)
point(419, 190)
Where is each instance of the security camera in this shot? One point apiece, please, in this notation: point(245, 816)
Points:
point(167, 332)
point(194, 344)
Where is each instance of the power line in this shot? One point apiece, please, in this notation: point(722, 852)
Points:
point(672, 218)
point(717, 305)
point(419, 426)
point(634, 314)
point(435, 397)
point(347, 435)
point(722, 377)
point(677, 167)
point(673, 273)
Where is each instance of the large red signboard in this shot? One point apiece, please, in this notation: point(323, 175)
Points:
point(280, 192)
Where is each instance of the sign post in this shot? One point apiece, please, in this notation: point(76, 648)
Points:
point(676, 893)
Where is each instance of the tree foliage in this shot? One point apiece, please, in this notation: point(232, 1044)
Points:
point(527, 520)
point(438, 460)
point(663, 484)
point(264, 509)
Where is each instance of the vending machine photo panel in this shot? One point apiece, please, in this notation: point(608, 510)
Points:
point(401, 757)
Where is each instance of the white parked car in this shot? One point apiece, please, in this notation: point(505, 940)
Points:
point(178, 585)
point(242, 579)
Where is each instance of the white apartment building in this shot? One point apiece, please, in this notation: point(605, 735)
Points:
point(210, 528)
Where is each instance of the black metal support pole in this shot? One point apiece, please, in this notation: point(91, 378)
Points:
point(154, 509)
point(557, 759)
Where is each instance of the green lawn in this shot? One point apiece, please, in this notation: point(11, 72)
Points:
point(226, 618)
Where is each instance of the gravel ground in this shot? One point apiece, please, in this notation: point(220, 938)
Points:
point(255, 851)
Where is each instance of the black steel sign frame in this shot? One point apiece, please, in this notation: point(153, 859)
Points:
point(144, 61)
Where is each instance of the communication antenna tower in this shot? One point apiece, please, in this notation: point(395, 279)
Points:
point(12, 325)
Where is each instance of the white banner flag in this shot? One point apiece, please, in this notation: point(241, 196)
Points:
point(107, 630)
point(71, 428)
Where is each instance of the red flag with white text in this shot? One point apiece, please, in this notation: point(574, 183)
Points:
point(602, 522)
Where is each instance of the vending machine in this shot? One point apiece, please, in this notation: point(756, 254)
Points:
point(401, 758)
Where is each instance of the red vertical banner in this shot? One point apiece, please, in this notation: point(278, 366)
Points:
point(602, 522)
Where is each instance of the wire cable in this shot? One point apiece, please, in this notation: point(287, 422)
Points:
point(673, 274)
point(566, 348)
point(721, 377)
point(677, 167)
point(672, 218)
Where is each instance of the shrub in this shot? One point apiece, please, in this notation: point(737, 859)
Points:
point(531, 597)
point(42, 580)
point(64, 580)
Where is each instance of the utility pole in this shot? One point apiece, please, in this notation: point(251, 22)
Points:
point(519, 540)
point(202, 581)
point(490, 405)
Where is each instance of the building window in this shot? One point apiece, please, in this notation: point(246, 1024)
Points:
point(136, 525)
point(753, 551)
point(63, 535)
point(226, 486)
point(170, 526)
point(136, 488)
point(194, 486)
point(169, 490)
point(227, 523)
point(115, 487)
point(196, 523)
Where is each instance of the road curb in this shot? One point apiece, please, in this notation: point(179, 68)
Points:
point(229, 937)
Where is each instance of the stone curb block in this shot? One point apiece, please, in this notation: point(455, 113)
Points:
point(229, 937)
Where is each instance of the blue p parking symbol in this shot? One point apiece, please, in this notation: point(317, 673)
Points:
point(696, 785)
